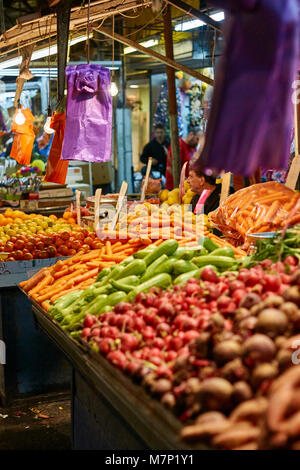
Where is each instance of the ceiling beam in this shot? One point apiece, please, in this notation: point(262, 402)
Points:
point(188, 9)
point(149, 52)
point(40, 29)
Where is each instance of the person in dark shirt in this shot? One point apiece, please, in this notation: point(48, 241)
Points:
point(199, 181)
point(157, 149)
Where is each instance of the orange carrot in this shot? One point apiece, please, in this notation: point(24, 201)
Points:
point(116, 245)
point(35, 279)
point(108, 248)
point(47, 280)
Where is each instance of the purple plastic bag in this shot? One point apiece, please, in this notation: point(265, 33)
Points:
point(252, 113)
point(89, 114)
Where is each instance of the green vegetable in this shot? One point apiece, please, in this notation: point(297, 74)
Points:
point(222, 262)
point(126, 261)
point(71, 321)
point(183, 266)
point(103, 273)
point(151, 270)
point(58, 309)
point(189, 253)
point(208, 244)
point(166, 267)
point(121, 286)
point(113, 299)
point(141, 254)
point(161, 280)
point(226, 251)
point(167, 247)
point(196, 273)
point(136, 267)
point(126, 284)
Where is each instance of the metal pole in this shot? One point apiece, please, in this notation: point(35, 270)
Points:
point(63, 20)
point(2, 20)
point(176, 164)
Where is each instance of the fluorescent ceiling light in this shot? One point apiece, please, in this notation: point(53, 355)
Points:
point(149, 43)
point(39, 54)
point(192, 24)
point(133, 86)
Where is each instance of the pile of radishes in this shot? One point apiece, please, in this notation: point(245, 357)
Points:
point(208, 346)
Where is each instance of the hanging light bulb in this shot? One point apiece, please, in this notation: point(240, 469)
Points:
point(19, 117)
point(47, 127)
point(113, 89)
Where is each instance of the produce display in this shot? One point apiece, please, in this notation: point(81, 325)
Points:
point(77, 272)
point(159, 264)
point(210, 350)
point(207, 330)
point(153, 222)
point(264, 207)
point(33, 236)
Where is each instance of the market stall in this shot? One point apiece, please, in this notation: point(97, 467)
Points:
point(196, 334)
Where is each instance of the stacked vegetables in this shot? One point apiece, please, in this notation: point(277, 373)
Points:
point(77, 272)
point(263, 207)
point(210, 350)
point(158, 265)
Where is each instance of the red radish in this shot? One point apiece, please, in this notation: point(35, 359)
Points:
point(190, 335)
point(272, 282)
point(208, 274)
point(129, 342)
point(148, 332)
point(291, 260)
point(176, 343)
point(86, 332)
point(170, 356)
point(117, 358)
point(89, 321)
point(95, 332)
point(106, 345)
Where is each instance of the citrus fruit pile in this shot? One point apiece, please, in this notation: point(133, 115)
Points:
point(33, 236)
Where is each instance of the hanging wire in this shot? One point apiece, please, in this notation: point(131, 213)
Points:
point(113, 43)
point(88, 32)
point(49, 102)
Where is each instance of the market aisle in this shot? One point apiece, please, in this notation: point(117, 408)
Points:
point(41, 425)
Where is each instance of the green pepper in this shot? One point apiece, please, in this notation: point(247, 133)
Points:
point(161, 280)
point(183, 266)
point(223, 262)
point(151, 270)
point(167, 247)
point(225, 251)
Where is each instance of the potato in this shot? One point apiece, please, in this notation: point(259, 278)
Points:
point(259, 347)
point(226, 351)
point(271, 322)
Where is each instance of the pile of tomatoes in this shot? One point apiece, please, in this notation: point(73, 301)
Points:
point(42, 245)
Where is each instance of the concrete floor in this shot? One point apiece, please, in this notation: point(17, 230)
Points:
point(36, 424)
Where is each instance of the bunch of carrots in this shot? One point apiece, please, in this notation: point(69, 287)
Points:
point(153, 222)
point(77, 272)
point(263, 207)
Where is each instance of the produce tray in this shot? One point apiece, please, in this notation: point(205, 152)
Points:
point(158, 427)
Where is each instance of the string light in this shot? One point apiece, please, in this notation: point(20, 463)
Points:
point(19, 117)
point(113, 89)
point(113, 86)
point(47, 127)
